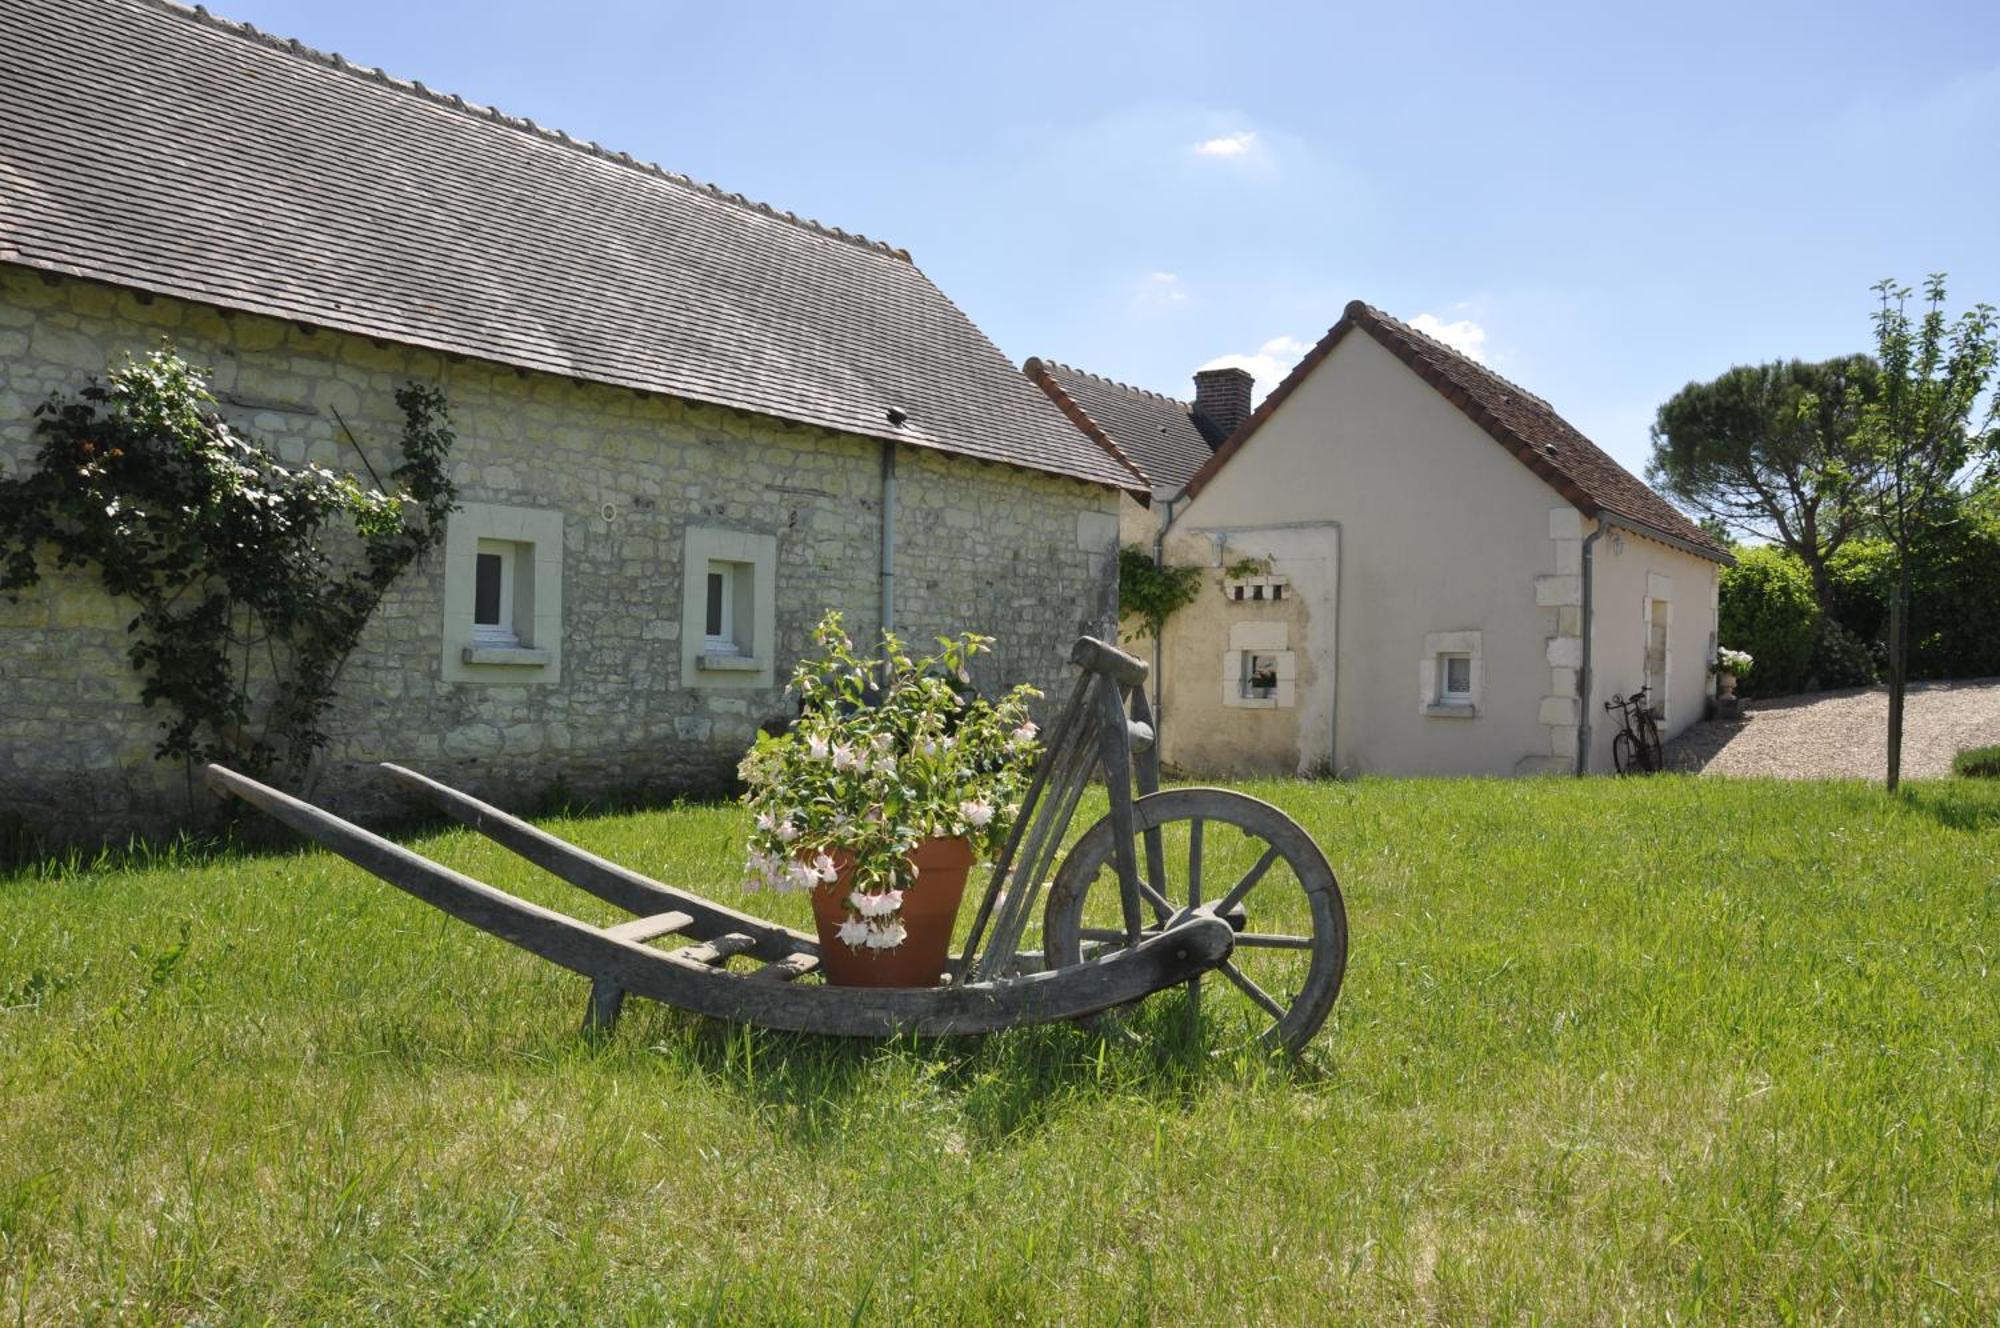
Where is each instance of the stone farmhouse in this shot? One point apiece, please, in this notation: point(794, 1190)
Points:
point(687, 423)
point(1415, 567)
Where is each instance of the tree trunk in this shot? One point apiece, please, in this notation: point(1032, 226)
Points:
point(1898, 669)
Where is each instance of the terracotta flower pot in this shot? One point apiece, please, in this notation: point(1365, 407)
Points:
point(930, 910)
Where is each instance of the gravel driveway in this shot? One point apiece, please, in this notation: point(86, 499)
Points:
point(1845, 734)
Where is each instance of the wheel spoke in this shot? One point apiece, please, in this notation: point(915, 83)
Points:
point(1271, 941)
point(1249, 881)
point(1253, 991)
point(1157, 900)
point(1194, 861)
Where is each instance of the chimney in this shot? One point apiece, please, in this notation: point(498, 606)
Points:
point(1221, 401)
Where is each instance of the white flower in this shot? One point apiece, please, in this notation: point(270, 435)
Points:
point(786, 831)
point(885, 938)
point(1027, 731)
point(878, 905)
point(884, 742)
point(816, 747)
point(824, 870)
point(977, 812)
point(845, 758)
point(854, 933)
point(767, 822)
point(800, 876)
point(885, 765)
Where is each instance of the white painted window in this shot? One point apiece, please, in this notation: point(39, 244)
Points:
point(1451, 681)
point(503, 595)
point(493, 587)
point(719, 609)
point(728, 608)
point(1455, 678)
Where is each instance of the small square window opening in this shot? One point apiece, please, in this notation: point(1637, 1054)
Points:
point(1455, 679)
point(1260, 677)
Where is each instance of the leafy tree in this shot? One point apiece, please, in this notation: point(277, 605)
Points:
point(1929, 438)
point(1772, 451)
point(1768, 609)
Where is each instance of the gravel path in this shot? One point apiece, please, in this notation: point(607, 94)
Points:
point(1845, 734)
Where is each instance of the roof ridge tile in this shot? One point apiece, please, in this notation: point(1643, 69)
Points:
point(453, 101)
point(1132, 388)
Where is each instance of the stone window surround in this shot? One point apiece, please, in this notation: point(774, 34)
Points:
point(1660, 590)
point(537, 578)
point(1430, 675)
point(755, 583)
point(1272, 639)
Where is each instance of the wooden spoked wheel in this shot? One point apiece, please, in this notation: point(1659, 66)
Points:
point(1243, 860)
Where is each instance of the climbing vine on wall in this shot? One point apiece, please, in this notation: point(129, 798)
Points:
point(253, 579)
point(1152, 593)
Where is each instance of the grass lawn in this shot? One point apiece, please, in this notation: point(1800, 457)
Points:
point(1643, 1051)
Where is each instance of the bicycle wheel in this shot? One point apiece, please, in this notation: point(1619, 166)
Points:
point(1625, 753)
point(1650, 755)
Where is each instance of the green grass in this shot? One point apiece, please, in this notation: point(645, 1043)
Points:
point(1977, 763)
point(1619, 1051)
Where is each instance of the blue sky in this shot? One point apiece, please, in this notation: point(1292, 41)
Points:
point(1603, 200)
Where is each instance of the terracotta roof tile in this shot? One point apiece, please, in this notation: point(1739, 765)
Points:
point(1514, 417)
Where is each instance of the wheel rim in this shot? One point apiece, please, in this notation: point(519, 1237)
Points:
point(1228, 851)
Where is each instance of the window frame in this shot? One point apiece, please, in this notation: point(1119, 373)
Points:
point(745, 655)
point(719, 613)
point(525, 645)
point(501, 631)
point(1447, 694)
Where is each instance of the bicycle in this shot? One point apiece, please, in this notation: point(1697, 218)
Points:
point(1636, 748)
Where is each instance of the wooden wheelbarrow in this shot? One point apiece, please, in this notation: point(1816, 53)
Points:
point(1101, 948)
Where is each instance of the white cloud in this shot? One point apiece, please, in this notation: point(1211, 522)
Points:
point(1227, 145)
point(1268, 365)
point(1160, 291)
point(1463, 335)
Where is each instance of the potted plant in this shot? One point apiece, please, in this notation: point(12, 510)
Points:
point(896, 778)
point(1730, 666)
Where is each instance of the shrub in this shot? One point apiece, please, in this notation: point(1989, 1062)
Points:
point(1954, 582)
point(1978, 763)
point(1840, 658)
point(1769, 611)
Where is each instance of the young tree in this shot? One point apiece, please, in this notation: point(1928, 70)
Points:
point(1772, 451)
point(1930, 440)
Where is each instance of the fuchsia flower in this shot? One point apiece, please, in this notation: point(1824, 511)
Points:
point(976, 812)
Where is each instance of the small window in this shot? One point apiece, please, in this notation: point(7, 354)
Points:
point(1455, 679)
point(1260, 677)
point(493, 592)
point(719, 621)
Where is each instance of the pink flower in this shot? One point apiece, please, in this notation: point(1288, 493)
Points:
point(853, 933)
point(816, 747)
point(799, 876)
point(824, 870)
point(885, 938)
point(880, 904)
point(845, 758)
point(976, 812)
point(1027, 731)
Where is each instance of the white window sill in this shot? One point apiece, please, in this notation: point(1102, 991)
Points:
point(1452, 710)
point(509, 656)
point(1256, 702)
point(717, 662)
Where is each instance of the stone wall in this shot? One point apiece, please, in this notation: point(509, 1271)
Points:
point(1026, 557)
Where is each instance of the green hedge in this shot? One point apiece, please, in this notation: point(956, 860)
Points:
point(1954, 591)
point(1768, 610)
point(1978, 763)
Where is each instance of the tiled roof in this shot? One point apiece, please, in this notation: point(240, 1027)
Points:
point(161, 149)
point(1517, 419)
point(1156, 432)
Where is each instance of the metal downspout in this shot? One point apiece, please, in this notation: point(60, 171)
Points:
point(888, 536)
point(1159, 645)
point(1583, 670)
